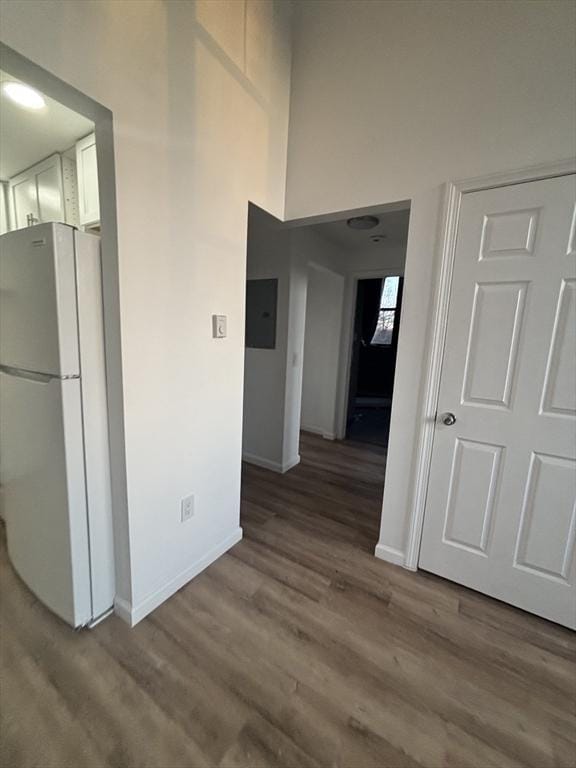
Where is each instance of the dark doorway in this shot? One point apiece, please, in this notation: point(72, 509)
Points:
point(374, 347)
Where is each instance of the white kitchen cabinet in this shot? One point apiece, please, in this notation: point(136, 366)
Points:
point(4, 220)
point(87, 169)
point(36, 195)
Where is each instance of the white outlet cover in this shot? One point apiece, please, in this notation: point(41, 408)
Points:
point(187, 508)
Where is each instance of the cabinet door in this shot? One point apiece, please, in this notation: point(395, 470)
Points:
point(4, 197)
point(87, 168)
point(36, 194)
point(49, 188)
point(24, 199)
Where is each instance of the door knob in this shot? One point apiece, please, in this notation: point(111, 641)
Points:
point(448, 419)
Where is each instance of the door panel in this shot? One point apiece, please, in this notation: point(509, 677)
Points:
point(38, 192)
point(547, 546)
point(510, 233)
point(471, 494)
point(497, 316)
point(87, 167)
point(559, 394)
point(500, 511)
point(49, 184)
point(25, 202)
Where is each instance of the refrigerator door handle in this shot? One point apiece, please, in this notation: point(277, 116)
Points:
point(42, 378)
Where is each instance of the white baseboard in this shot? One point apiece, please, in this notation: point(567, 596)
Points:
point(390, 554)
point(134, 614)
point(319, 431)
point(274, 466)
point(291, 463)
point(123, 609)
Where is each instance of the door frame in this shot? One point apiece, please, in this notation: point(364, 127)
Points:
point(347, 338)
point(36, 76)
point(454, 192)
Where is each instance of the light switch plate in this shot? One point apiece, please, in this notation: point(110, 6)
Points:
point(219, 326)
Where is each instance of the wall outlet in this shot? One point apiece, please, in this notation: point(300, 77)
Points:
point(219, 330)
point(187, 508)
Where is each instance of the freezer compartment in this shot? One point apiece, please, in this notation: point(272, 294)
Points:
point(38, 309)
point(44, 491)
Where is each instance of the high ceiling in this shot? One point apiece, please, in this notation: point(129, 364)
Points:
point(393, 224)
point(28, 136)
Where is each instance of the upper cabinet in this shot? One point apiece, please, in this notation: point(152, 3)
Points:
point(63, 187)
point(4, 220)
point(87, 169)
point(37, 195)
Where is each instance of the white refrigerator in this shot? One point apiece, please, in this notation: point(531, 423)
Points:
point(54, 452)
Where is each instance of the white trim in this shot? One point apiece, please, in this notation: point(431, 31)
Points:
point(391, 555)
point(50, 85)
point(251, 458)
point(123, 609)
point(273, 466)
point(318, 431)
point(134, 614)
point(453, 199)
point(290, 463)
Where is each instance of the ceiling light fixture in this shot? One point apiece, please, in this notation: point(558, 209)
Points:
point(23, 95)
point(363, 222)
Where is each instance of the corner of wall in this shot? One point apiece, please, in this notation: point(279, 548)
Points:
point(132, 614)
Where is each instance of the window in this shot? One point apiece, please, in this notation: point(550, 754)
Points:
point(384, 332)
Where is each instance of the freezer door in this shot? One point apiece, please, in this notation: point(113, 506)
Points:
point(44, 491)
point(38, 312)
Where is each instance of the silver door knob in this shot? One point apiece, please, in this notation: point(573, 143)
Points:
point(448, 419)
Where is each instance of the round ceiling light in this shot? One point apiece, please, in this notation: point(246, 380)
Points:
point(23, 95)
point(363, 222)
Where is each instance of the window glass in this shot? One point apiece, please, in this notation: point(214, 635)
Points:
point(389, 293)
point(384, 331)
point(384, 327)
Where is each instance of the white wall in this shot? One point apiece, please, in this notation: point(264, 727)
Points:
point(364, 260)
point(268, 257)
point(199, 93)
point(273, 377)
point(322, 351)
point(392, 99)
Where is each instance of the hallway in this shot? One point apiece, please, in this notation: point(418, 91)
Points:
point(338, 489)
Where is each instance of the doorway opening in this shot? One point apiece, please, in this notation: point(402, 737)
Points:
point(57, 169)
point(374, 348)
point(323, 305)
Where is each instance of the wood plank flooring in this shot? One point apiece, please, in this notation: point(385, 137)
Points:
point(298, 648)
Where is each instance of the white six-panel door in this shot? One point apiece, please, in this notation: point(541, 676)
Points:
point(501, 505)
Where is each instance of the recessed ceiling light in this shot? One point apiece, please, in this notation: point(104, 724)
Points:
point(377, 238)
point(363, 222)
point(23, 95)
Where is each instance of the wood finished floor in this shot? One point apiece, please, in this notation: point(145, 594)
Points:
point(298, 648)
